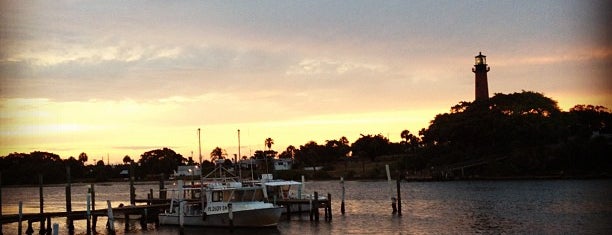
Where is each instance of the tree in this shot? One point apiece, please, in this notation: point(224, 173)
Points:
point(371, 146)
point(217, 154)
point(269, 142)
point(160, 161)
point(288, 153)
point(336, 150)
point(127, 159)
point(83, 158)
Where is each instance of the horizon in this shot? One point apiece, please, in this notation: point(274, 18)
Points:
point(117, 78)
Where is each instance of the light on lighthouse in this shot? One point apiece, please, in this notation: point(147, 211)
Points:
point(480, 59)
point(480, 69)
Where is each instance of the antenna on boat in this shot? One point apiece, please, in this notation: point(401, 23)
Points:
point(239, 157)
point(199, 147)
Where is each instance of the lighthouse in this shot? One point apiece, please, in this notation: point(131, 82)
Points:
point(480, 70)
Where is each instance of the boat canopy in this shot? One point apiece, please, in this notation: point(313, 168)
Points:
point(282, 183)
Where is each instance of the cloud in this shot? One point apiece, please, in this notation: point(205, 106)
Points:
point(327, 66)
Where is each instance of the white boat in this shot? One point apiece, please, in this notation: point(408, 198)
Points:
point(221, 202)
point(288, 190)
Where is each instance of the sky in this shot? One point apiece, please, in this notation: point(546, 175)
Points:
point(116, 78)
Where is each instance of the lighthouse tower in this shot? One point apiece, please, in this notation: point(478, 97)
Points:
point(480, 70)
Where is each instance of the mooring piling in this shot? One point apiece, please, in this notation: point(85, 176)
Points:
point(111, 220)
point(69, 201)
point(342, 202)
point(88, 214)
point(132, 189)
point(399, 198)
point(1, 233)
point(19, 228)
point(41, 202)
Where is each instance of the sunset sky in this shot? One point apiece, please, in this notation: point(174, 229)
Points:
point(116, 78)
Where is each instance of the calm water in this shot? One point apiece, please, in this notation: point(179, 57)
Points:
point(555, 206)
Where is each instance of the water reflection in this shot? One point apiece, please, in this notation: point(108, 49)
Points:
point(570, 206)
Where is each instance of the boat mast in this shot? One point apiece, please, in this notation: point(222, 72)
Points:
point(199, 147)
point(239, 156)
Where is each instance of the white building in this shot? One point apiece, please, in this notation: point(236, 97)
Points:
point(283, 164)
point(188, 171)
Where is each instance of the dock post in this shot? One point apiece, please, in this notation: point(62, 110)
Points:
point(111, 220)
point(316, 206)
point(19, 228)
point(342, 202)
point(1, 201)
point(69, 202)
point(162, 192)
point(88, 214)
point(41, 203)
point(55, 229)
point(311, 211)
point(127, 221)
point(329, 206)
point(132, 189)
point(143, 219)
point(49, 228)
point(94, 218)
point(399, 199)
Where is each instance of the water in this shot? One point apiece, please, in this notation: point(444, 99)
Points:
point(541, 206)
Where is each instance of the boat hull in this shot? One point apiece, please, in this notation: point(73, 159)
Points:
point(265, 217)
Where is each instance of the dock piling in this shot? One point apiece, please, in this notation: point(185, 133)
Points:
point(132, 189)
point(399, 199)
point(19, 228)
point(329, 207)
point(88, 214)
point(41, 202)
point(342, 202)
point(69, 201)
point(316, 206)
point(1, 201)
point(111, 221)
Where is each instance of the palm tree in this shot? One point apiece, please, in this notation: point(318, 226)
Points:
point(217, 153)
point(405, 135)
point(269, 142)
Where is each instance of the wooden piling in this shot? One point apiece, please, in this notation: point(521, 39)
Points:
point(1, 233)
point(311, 212)
point(316, 206)
point(329, 207)
point(162, 191)
point(41, 202)
point(49, 229)
point(132, 189)
point(399, 198)
point(88, 214)
point(342, 202)
point(111, 220)
point(69, 201)
point(94, 218)
point(19, 228)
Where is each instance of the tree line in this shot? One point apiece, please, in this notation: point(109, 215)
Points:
point(514, 134)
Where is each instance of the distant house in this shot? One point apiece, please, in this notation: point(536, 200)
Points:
point(188, 171)
point(125, 174)
point(248, 163)
point(283, 164)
